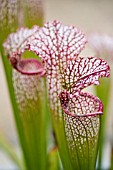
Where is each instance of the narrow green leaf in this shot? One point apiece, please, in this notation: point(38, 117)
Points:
point(8, 73)
point(10, 152)
point(103, 92)
point(58, 123)
point(111, 168)
point(53, 159)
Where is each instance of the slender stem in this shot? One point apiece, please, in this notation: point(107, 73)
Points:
point(8, 73)
point(111, 168)
point(103, 91)
point(9, 150)
point(62, 143)
point(53, 159)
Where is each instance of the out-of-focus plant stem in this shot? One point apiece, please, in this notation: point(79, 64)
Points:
point(61, 140)
point(102, 91)
point(9, 150)
point(53, 159)
point(8, 73)
point(111, 168)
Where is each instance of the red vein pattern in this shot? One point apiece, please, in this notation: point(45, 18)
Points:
point(80, 104)
point(58, 40)
point(82, 138)
point(67, 74)
point(17, 41)
point(15, 47)
point(27, 89)
point(83, 72)
point(59, 47)
point(56, 45)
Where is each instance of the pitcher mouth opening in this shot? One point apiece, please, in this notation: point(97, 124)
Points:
point(28, 66)
point(72, 106)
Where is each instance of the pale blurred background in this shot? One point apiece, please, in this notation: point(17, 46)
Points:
point(89, 16)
